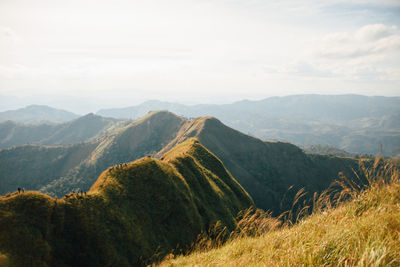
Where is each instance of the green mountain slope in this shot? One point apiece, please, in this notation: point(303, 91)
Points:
point(12, 133)
point(132, 212)
point(265, 169)
point(85, 128)
point(33, 167)
point(142, 137)
point(82, 129)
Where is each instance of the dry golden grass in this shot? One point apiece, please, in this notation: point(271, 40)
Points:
point(362, 230)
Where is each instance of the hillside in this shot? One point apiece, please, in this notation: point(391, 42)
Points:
point(133, 214)
point(266, 170)
point(85, 128)
point(37, 114)
point(124, 143)
point(33, 167)
point(363, 232)
point(354, 123)
point(145, 136)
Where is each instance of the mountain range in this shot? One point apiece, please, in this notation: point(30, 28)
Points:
point(354, 123)
point(266, 170)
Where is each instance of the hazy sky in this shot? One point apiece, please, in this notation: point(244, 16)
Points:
point(121, 52)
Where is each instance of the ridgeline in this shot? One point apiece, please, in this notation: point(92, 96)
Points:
point(133, 214)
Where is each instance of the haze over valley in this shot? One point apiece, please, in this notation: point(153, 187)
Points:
point(353, 123)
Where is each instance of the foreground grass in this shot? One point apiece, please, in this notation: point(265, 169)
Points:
point(362, 232)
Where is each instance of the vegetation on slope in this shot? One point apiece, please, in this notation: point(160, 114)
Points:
point(266, 170)
point(362, 232)
point(12, 133)
point(140, 138)
point(42, 167)
point(132, 212)
point(33, 167)
point(85, 128)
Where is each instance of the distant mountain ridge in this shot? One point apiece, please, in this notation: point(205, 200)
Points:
point(333, 107)
point(82, 129)
point(37, 114)
point(354, 123)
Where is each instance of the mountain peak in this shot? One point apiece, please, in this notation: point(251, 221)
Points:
point(36, 114)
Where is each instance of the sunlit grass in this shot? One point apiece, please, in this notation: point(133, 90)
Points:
point(362, 230)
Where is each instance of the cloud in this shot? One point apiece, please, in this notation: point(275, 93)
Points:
point(370, 53)
point(375, 32)
point(368, 40)
point(304, 68)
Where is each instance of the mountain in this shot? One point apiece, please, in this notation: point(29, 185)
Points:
point(143, 137)
point(82, 129)
point(266, 170)
point(132, 214)
point(141, 110)
point(37, 114)
point(13, 133)
point(354, 123)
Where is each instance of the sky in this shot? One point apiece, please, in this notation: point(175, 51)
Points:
point(83, 55)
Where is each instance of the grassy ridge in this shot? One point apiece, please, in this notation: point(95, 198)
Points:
point(265, 169)
point(133, 213)
point(362, 232)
